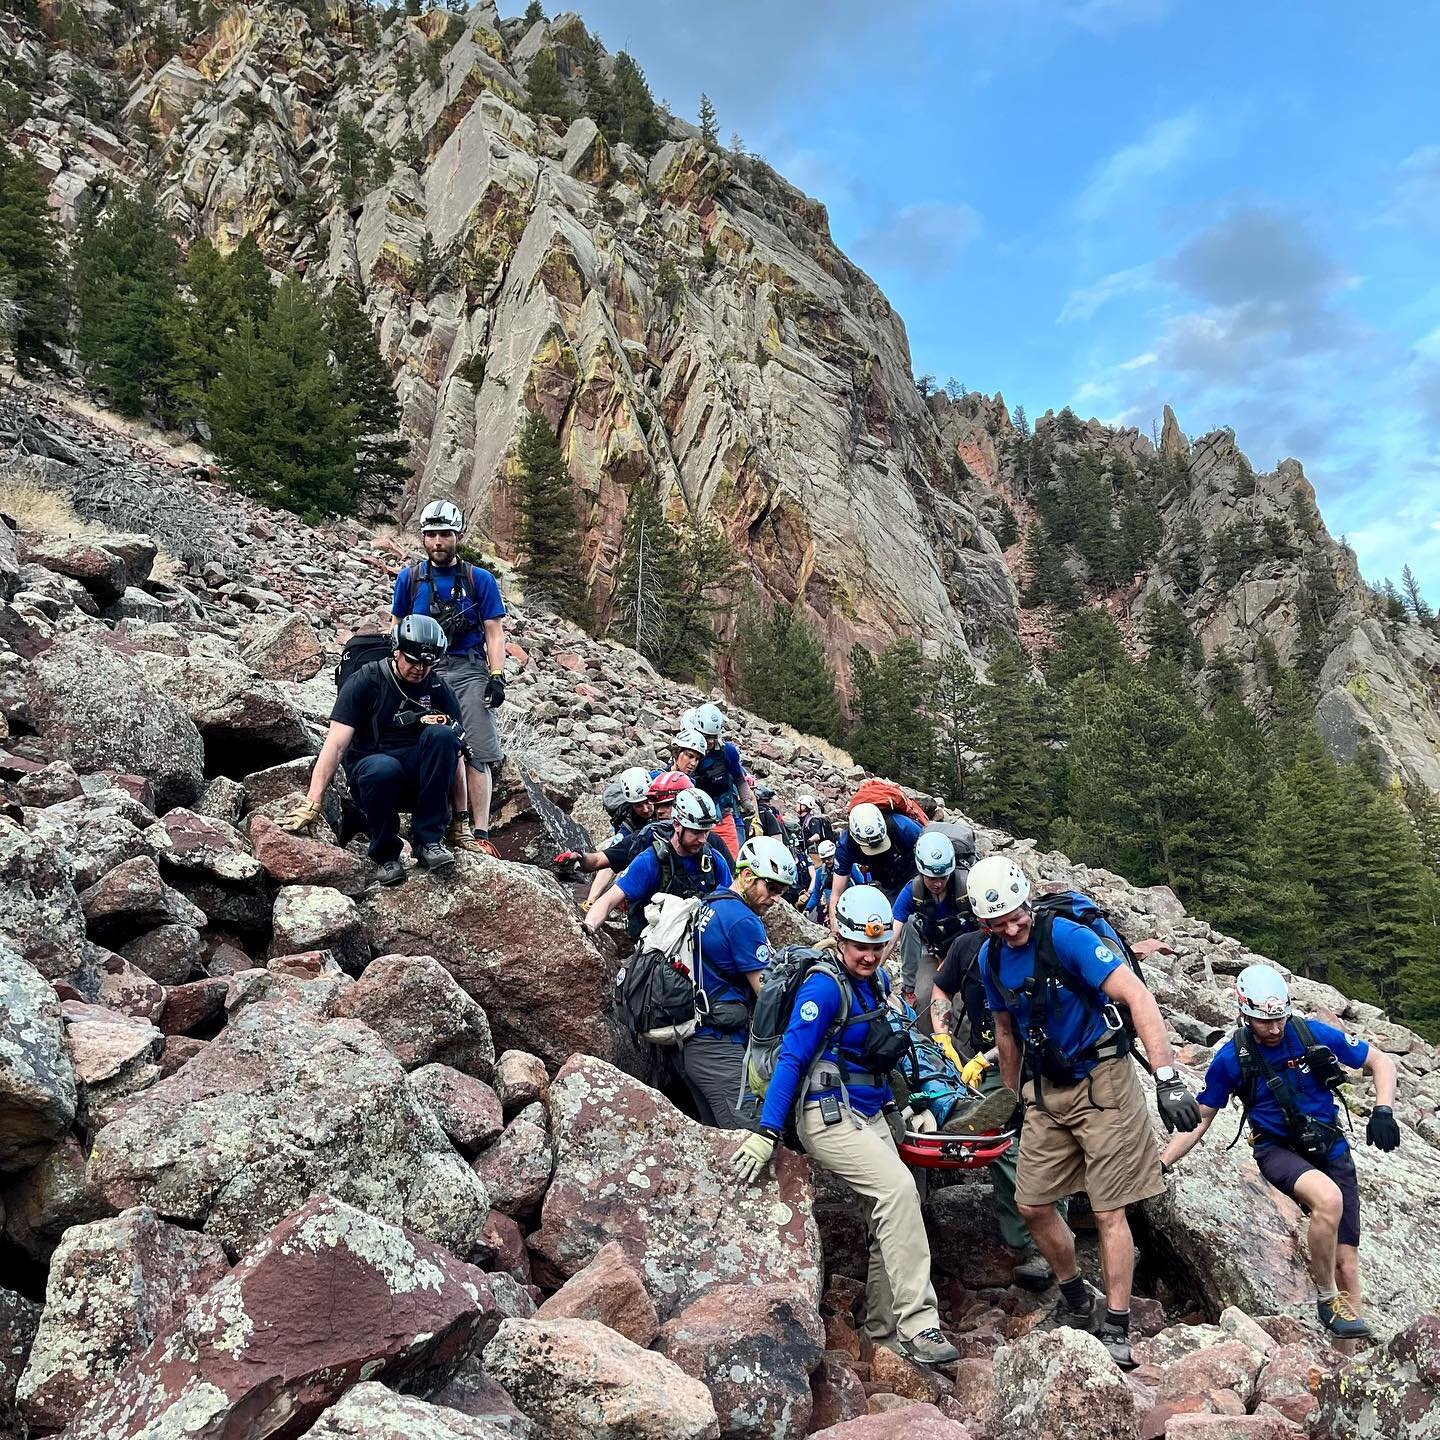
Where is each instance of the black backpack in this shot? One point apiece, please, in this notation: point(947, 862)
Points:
point(359, 651)
point(1041, 1058)
point(1307, 1135)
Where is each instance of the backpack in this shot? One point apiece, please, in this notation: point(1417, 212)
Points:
point(656, 992)
point(1310, 1137)
point(889, 798)
point(450, 614)
point(962, 837)
point(787, 971)
point(359, 651)
point(614, 801)
point(1040, 1057)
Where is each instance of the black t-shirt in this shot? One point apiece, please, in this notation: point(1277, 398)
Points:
point(375, 694)
point(959, 978)
point(817, 828)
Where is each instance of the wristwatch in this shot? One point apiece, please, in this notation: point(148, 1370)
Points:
point(1166, 1073)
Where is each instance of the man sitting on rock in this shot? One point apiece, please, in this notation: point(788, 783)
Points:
point(396, 726)
point(465, 600)
point(1057, 1024)
point(731, 952)
point(681, 862)
point(1286, 1072)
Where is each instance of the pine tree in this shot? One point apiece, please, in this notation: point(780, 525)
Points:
point(602, 103)
point(709, 125)
point(1089, 642)
point(708, 569)
point(545, 93)
point(382, 453)
point(1414, 601)
point(353, 149)
point(1185, 565)
point(647, 573)
point(203, 323)
point(640, 123)
point(1022, 422)
point(534, 13)
point(782, 672)
point(1051, 582)
point(549, 533)
point(892, 734)
point(1013, 787)
point(1007, 529)
point(279, 426)
point(955, 711)
point(30, 263)
point(126, 272)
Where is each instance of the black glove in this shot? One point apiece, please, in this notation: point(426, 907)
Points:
point(1382, 1132)
point(1176, 1105)
point(495, 691)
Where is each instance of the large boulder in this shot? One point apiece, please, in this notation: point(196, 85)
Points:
point(609, 1289)
point(754, 1347)
point(580, 1380)
point(200, 844)
point(19, 1320)
point(132, 899)
point(371, 1412)
point(100, 571)
point(909, 1422)
point(246, 722)
point(414, 1005)
point(286, 648)
point(1390, 1394)
point(41, 918)
point(330, 1296)
point(1261, 1266)
point(297, 860)
point(630, 1167)
point(279, 1106)
point(468, 1110)
point(517, 1168)
point(1060, 1385)
point(101, 711)
point(318, 917)
point(44, 1202)
point(98, 831)
point(37, 1081)
point(114, 1286)
point(512, 938)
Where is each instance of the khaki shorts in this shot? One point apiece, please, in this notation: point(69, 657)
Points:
point(1096, 1137)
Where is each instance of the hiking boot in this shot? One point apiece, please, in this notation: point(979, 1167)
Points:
point(458, 836)
point(986, 1114)
point(482, 843)
point(390, 872)
point(1339, 1318)
point(1062, 1317)
point(1117, 1344)
point(435, 857)
point(1033, 1272)
point(929, 1347)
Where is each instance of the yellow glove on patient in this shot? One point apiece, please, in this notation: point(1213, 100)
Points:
point(973, 1070)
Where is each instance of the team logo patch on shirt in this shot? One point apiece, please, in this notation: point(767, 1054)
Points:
point(809, 1012)
point(1104, 952)
point(1353, 1040)
point(762, 954)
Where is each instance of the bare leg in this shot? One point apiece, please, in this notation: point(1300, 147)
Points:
point(1321, 1197)
point(1347, 1273)
point(457, 790)
point(1117, 1257)
point(480, 790)
point(1053, 1238)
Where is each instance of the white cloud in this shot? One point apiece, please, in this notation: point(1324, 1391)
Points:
point(1089, 300)
point(924, 241)
point(1163, 146)
point(1104, 17)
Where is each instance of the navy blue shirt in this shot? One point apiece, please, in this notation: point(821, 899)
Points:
point(939, 921)
point(731, 943)
point(816, 1006)
point(485, 604)
point(1085, 962)
point(1223, 1079)
point(718, 774)
point(891, 868)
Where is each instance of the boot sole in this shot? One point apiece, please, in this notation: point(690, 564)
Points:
point(989, 1115)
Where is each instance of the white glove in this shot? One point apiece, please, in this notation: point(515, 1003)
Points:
point(919, 1122)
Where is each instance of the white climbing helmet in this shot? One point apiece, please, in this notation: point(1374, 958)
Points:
point(634, 785)
point(691, 739)
point(935, 856)
point(826, 850)
point(863, 914)
point(695, 810)
point(441, 515)
point(867, 829)
point(710, 719)
point(767, 858)
point(807, 805)
point(1262, 993)
point(996, 886)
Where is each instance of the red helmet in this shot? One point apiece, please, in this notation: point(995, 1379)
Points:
point(667, 785)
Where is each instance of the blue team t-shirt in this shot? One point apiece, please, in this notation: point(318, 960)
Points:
point(1085, 962)
point(485, 604)
point(891, 868)
point(1223, 1080)
point(942, 920)
point(730, 944)
point(817, 1003)
point(642, 875)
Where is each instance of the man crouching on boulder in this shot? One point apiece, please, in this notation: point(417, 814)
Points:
point(396, 726)
point(1286, 1071)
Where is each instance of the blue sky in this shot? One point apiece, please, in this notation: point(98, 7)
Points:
point(1112, 204)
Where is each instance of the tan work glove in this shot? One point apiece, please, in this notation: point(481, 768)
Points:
point(947, 1048)
point(301, 818)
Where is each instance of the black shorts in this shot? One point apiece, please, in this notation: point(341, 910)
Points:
point(1282, 1168)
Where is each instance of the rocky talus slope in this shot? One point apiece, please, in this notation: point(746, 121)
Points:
point(283, 1154)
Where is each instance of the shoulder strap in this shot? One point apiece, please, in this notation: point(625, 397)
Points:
point(416, 568)
point(1303, 1030)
